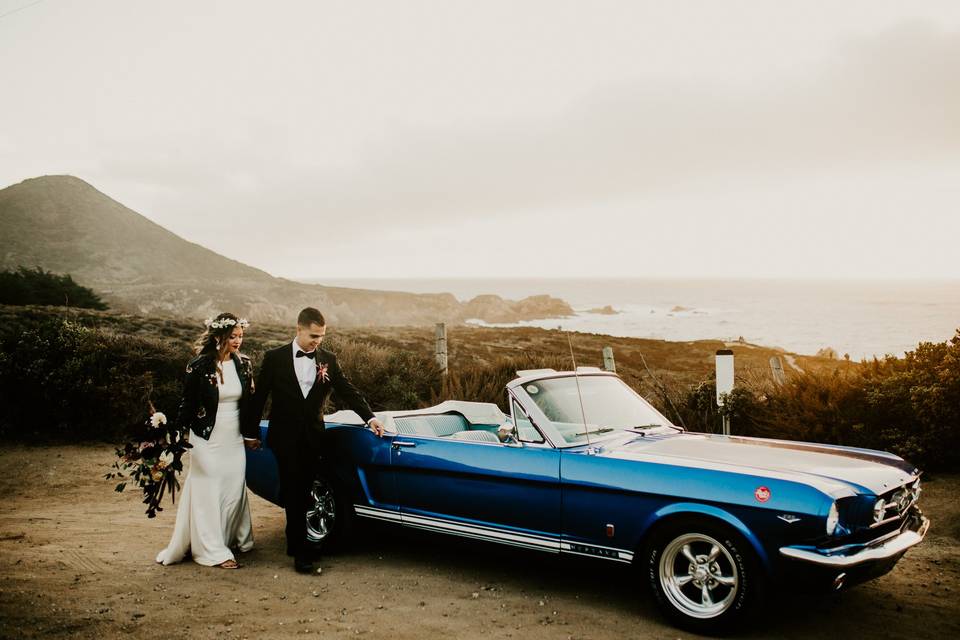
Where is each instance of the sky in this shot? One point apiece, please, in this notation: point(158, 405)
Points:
point(531, 138)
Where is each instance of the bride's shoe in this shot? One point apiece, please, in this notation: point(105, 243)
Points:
point(229, 564)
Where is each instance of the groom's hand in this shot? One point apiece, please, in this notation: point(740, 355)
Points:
point(253, 445)
point(377, 427)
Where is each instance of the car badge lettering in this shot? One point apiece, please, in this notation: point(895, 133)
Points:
point(789, 518)
point(762, 494)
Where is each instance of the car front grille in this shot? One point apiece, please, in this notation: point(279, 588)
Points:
point(897, 503)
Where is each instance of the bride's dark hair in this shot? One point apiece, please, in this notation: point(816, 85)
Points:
point(213, 340)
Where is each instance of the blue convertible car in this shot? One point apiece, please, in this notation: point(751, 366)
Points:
point(583, 465)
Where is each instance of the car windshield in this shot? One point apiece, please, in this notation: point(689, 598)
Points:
point(609, 405)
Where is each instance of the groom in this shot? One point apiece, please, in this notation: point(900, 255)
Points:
point(299, 377)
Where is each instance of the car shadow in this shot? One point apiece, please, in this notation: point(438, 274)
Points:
point(611, 588)
point(601, 585)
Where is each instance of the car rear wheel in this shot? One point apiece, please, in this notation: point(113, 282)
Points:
point(329, 515)
point(703, 576)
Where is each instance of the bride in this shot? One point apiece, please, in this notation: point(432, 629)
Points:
point(214, 514)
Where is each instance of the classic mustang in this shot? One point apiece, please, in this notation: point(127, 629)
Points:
point(583, 465)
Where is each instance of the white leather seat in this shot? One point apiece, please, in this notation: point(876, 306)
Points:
point(476, 436)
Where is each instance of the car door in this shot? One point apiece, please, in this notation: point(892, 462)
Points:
point(508, 493)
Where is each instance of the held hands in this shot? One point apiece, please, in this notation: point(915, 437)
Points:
point(253, 445)
point(376, 426)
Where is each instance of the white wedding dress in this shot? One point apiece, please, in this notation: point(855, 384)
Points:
point(214, 514)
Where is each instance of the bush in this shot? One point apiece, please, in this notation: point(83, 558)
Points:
point(486, 382)
point(909, 406)
point(36, 286)
point(388, 378)
point(61, 380)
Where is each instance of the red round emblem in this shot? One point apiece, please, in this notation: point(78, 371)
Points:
point(762, 494)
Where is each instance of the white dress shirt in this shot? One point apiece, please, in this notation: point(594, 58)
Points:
point(306, 369)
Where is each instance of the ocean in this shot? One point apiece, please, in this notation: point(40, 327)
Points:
point(862, 318)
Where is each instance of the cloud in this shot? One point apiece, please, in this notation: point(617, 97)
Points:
point(888, 99)
point(878, 101)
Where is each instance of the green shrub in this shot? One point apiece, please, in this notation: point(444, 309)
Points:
point(487, 382)
point(36, 286)
point(61, 380)
point(388, 378)
point(909, 406)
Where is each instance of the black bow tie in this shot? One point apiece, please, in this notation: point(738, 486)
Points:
point(303, 354)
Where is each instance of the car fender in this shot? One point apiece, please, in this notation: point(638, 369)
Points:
point(697, 510)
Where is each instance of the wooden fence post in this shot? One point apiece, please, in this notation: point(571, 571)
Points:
point(776, 366)
point(608, 362)
point(441, 351)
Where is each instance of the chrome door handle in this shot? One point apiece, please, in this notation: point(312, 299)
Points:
point(403, 443)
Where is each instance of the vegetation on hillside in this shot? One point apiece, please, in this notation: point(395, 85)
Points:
point(91, 377)
point(36, 286)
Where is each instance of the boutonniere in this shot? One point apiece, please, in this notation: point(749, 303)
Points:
point(322, 375)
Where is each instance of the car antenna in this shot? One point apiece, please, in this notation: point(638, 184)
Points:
point(576, 376)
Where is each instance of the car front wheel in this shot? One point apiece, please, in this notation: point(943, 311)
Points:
point(703, 576)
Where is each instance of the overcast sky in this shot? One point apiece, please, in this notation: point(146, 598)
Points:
point(530, 138)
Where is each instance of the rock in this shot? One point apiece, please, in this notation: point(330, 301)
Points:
point(493, 308)
point(604, 311)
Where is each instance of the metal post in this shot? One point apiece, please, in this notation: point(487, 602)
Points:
point(608, 362)
point(724, 382)
point(441, 351)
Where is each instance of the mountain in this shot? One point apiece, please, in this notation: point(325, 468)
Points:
point(64, 225)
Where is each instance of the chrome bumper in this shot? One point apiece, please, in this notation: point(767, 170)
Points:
point(883, 550)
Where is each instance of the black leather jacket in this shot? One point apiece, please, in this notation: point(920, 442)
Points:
point(201, 395)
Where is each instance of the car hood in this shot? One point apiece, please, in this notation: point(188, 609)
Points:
point(862, 470)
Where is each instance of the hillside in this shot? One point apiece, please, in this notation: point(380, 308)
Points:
point(64, 225)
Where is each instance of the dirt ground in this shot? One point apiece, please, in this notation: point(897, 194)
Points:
point(76, 561)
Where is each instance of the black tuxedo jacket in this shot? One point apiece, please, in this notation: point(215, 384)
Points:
point(296, 421)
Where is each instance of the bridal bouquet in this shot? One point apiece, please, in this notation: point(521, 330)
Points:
point(152, 462)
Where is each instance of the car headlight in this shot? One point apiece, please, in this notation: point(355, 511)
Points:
point(833, 519)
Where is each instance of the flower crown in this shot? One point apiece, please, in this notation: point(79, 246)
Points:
point(223, 323)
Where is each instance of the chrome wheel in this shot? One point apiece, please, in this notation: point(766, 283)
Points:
point(699, 575)
point(322, 513)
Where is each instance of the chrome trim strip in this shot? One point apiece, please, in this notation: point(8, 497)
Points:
point(883, 522)
point(892, 547)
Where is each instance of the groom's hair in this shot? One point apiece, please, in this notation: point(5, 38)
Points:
point(311, 316)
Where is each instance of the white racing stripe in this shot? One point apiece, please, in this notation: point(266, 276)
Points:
point(492, 534)
point(379, 514)
point(458, 528)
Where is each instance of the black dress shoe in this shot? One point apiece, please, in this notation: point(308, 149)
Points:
point(303, 564)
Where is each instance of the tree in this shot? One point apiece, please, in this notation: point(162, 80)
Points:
point(36, 286)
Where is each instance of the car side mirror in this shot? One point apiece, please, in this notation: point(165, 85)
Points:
point(507, 434)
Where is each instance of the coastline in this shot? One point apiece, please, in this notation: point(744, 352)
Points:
point(862, 318)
